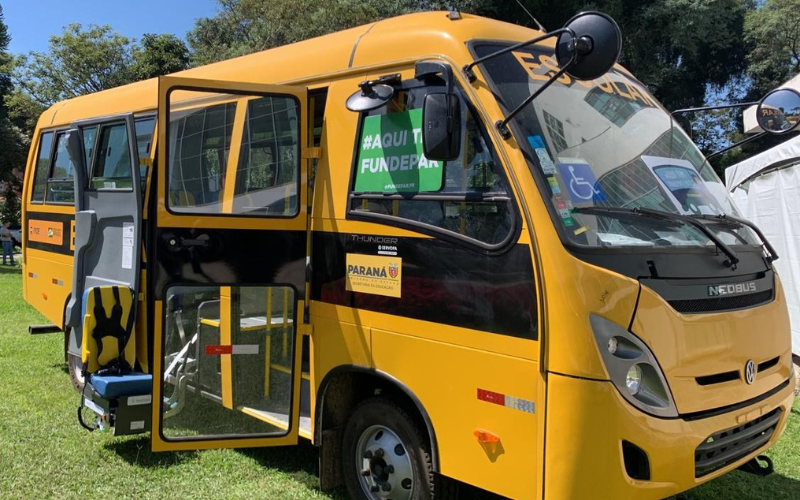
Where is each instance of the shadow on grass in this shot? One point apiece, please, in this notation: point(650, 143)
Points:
point(16, 269)
point(738, 485)
point(136, 451)
point(298, 462)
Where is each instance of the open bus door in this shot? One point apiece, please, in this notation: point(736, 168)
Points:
point(108, 229)
point(226, 266)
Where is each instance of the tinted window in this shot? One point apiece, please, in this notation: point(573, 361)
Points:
point(144, 140)
point(199, 143)
point(267, 174)
point(112, 164)
point(470, 198)
point(61, 185)
point(42, 167)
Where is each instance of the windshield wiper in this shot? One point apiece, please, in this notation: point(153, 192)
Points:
point(734, 221)
point(658, 214)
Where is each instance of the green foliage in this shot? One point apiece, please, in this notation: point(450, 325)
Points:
point(773, 32)
point(85, 60)
point(246, 26)
point(159, 55)
point(79, 61)
point(12, 142)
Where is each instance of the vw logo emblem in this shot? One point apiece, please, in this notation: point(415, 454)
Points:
point(750, 372)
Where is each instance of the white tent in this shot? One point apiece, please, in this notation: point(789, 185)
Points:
point(766, 189)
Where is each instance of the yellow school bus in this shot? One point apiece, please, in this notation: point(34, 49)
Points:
point(435, 246)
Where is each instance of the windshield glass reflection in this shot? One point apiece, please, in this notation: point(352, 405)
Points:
point(607, 143)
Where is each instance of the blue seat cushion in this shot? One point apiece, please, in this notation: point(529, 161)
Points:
point(115, 386)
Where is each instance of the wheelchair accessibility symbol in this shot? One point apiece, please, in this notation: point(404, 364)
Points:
point(580, 182)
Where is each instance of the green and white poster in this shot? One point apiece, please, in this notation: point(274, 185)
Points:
point(390, 158)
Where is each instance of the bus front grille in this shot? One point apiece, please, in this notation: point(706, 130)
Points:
point(726, 447)
point(715, 304)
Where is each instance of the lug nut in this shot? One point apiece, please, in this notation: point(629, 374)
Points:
point(374, 488)
point(379, 453)
point(390, 469)
point(387, 487)
point(366, 472)
point(368, 454)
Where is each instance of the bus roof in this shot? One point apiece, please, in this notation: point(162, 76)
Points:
point(403, 37)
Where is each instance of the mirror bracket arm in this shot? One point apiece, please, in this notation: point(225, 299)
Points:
point(711, 108)
point(502, 125)
point(467, 69)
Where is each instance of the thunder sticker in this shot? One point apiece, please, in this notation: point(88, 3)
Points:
point(375, 274)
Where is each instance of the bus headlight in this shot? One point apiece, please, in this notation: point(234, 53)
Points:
point(633, 368)
point(633, 381)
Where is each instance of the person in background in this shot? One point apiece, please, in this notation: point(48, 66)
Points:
point(8, 243)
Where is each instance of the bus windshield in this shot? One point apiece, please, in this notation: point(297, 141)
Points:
point(608, 143)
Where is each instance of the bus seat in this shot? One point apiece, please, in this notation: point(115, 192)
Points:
point(116, 386)
point(108, 342)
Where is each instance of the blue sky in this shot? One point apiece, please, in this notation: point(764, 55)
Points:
point(32, 22)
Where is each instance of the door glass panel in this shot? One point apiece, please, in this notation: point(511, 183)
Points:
point(144, 139)
point(89, 136)
point(199, 145)
point(112, 165)
point(267, 174)
point(228, 361)
point(61, 186)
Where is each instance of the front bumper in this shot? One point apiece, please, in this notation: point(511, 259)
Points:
point(588, 420)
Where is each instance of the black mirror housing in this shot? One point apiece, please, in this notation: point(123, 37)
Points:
point(441, 130)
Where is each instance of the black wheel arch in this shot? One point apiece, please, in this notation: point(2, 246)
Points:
point(367, 382)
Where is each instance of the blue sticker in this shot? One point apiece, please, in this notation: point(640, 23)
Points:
point(580, 181)
point(535, 141)
point(554, 188)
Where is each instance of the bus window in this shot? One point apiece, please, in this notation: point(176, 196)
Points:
point(200, 140)
point(267, 175)
point(470, 199)
point(89, 136)
point(112, 164)
point(144, 139)
point(42, 167)
point(61, 184)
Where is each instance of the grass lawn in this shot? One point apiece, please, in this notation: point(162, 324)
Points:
point(44, 453)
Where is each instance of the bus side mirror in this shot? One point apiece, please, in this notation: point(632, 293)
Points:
point(590, 45)
point(779, 111)
point(441, 126)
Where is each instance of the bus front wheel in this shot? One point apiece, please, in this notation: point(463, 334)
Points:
point(385, 455)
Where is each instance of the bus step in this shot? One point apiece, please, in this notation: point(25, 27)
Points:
point(40, 329)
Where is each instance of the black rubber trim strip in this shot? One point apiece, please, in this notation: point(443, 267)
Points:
point(590, 379)
point(698, 415)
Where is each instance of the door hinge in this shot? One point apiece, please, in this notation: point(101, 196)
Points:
point(311, 153)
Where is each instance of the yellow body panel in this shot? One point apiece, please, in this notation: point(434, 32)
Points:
point(697, 345)
point(587, 421)
point(451, 402)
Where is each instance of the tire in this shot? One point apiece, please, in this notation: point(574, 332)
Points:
point(383, 450)
point(74, 365)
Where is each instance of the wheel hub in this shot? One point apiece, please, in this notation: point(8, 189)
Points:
point(386, 471)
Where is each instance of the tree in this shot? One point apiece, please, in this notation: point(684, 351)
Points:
point(246, 26)
point(85, 60)
point(79, 61)
point(159, 55)
point(12, 142)
point(773, 32)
